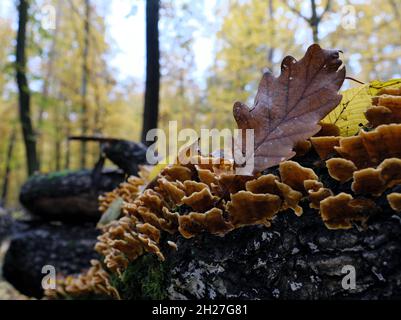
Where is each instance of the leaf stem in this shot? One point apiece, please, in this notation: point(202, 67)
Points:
point(353, 79)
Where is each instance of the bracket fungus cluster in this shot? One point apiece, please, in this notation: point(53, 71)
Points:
point(126, 190)
point(386, 108)
point(342, 182)
point(394, 200)
point(341, 169)
point(375, 181)
point(340, 211)
point(184, 203)
point(95, 281)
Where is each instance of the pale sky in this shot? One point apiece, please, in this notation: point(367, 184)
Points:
point(125, 20)
point(126, 30)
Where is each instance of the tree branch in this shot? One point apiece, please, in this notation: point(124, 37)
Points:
point(298, 13)
point(326, 9)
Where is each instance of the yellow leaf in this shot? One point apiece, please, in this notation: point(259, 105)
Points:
point(349, 114)
point(160, 166)
point(376, 85)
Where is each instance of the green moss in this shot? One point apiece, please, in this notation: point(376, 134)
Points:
point(58, 174)
point(145, 278)
point(51, 175)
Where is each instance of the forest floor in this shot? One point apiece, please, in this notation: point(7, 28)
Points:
point(7, 291)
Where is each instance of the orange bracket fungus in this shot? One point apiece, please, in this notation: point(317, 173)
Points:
point(376, 181)
point(94, 281)
point(316, 192)
point(328, 130)
point(340, 211)
point(211, 221)
point(394, 199)
point(386, 109)
point(271, 184)
point(324, 146)
point(302, 147)
point(370, 148)
point(201, 200)
point(341, 169)
point(248, 208)
point(293, 174)
point(368, 181)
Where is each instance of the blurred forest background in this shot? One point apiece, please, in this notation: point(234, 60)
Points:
point(212, 53)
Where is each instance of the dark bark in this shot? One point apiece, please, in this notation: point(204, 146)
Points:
point(69, 248)
point(57, 142)
point(126, 155)
point(23, 90)
point(60, 121)
point(151, 104)
point(67, 196)
point(84, 85)
point(6, 226)
point(7, 171)
point(296, 258)
point(97, 119)
point(66, 118)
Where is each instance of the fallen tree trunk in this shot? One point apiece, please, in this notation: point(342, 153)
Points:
point(68, 196)
point(296, 258)
point(33, 245)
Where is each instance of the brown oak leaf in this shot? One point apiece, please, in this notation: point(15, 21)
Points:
point(287, 109)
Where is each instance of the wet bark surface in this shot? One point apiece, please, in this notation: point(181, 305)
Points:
point(69, 196)
point(296, 258)
point(68, 248)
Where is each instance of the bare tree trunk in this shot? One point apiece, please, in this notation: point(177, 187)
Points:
point(23, 89)
point(9, 156)
point(151, 105)
point(396, 10)
point(67, 160)
point(58, 138)
point(183, 105)
point(314, 22)
point(97, 130)
point(84, 86)
point(270, 53)
point(47, 81)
